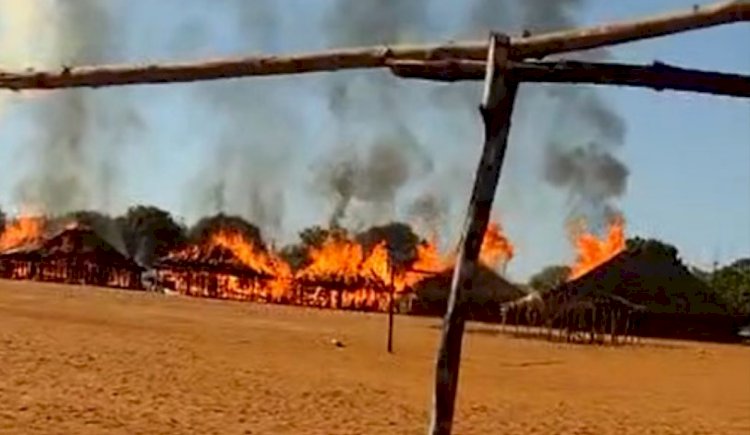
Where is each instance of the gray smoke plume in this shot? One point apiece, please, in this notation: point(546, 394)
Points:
point(374, 180)
point(251, 154)
point(428, 212)
point(584, 131)
point(73, 151)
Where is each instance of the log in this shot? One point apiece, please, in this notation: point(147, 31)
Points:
point(496, 110)
point(658, 76)
point(537, 46)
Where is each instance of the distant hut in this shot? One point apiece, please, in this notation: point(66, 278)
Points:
point(212, 271)
point(75, 255)
point(489, 291)
point(666, 299)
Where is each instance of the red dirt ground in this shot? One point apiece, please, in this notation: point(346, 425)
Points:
point(82, 360)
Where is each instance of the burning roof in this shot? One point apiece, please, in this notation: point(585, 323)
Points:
point(227, 251)
point(73, 240)
point(661, 283)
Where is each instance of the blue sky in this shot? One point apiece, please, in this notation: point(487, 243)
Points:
point(688, 155)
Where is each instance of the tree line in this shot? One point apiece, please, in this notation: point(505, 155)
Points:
point(146, 233)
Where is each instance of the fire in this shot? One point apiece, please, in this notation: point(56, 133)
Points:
point(593, 251)
point(256, 259)
point(496, 249)
point(495, 252)
point(21, 231)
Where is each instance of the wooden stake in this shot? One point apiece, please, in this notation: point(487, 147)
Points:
point(391, 290)
point(496, 109)
point(537, 46)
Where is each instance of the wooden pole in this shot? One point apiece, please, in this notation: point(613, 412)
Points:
point(496, 110)
point(658, 76)
point(537, 46)
point(391, 290)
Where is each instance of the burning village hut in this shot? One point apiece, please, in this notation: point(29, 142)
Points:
point(341, 274)
point(227, 266)
point(74, 255)
point(647, 292)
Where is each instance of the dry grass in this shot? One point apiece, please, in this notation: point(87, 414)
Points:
point(81, 360)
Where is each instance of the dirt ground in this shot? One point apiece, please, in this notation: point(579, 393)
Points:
point(82, 360)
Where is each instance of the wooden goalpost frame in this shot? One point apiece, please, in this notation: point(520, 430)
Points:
point(520, 48)
point(496, 110)
point(502, 63)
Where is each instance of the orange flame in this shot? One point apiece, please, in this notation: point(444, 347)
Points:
point(256, 259)
point(340, 272)
point(496, 249)
point(593, 252)
point(21, 231)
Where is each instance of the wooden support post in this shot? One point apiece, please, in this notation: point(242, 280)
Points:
point(391, 291)
point(496, 110)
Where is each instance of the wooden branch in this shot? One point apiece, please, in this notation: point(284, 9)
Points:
point(536, 46)
point(496, 109)
point(658, 76)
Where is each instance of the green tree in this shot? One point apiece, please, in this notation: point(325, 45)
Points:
point(400, 240)
point(732, 283)
point(549, 278)
point(150, 233)
point(207, 226)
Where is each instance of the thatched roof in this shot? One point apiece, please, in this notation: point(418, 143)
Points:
point(489, 291)
point(660, 284)
point(72, 241)
point(211, 258)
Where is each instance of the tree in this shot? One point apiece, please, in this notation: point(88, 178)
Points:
point(150, 233)
point(3, 218)
point(400, 239)
point(732, 283)
point(315, 236)
point(549, 278)
point(207, 226)
point(653, 249)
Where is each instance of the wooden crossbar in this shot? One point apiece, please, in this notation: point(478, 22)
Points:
point(523, 47)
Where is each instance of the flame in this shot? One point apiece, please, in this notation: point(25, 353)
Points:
point(592, 251)
point(23, 230)
point(256, 259)
point(340, 272)
point(496, 249)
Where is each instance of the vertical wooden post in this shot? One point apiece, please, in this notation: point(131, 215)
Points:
point(391, 291)
point(496, 109)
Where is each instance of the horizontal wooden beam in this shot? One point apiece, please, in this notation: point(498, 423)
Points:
point(536, 46)
point(658, 76)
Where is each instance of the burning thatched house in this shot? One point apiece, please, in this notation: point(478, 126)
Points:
point(225, 266)
point(74, 255)
point(674, 302)
point(341, 275)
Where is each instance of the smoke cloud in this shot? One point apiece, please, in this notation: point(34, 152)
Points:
point(72, 150)
point(386, 149)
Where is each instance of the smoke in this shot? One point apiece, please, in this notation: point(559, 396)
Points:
point(583, 130)
point(374, 180)
point(251, 149)
point(428, 212)
point(72, 151)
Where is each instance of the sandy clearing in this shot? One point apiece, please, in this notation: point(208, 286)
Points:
point(84, 360)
